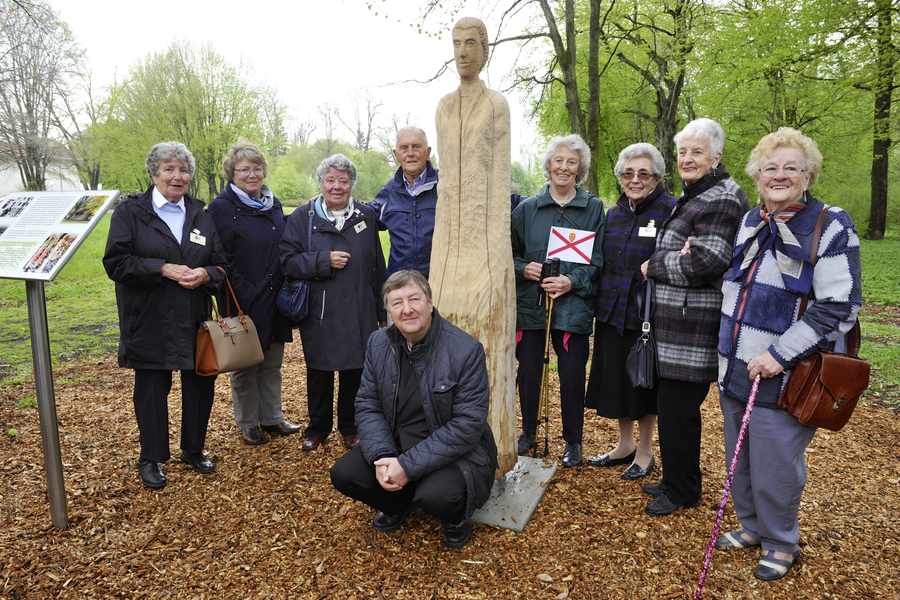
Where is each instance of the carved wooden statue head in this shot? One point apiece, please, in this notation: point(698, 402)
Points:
point(470, 47)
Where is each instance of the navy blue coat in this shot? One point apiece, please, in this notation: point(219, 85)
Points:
point(158, 319)
point(409, 221)
point(453, 384)
point(250, 239)
point(345, 305)
point(624, 249)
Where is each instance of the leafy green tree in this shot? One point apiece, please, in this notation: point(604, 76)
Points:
point(193, 96)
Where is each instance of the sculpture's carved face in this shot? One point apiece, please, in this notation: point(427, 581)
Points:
point(468, 52)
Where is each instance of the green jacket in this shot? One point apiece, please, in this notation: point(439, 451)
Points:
point(531, 222)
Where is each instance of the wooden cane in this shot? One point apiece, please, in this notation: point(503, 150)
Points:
point(543, 404)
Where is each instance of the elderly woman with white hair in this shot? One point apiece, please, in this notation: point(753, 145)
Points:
point(762, 335)
point(628, 241)
point(562, 203)
point(164, 254)
point(693, 251)
point(332, 242)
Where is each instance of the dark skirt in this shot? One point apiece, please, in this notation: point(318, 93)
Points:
point(609, 388)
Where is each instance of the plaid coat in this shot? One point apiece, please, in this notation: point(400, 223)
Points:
point(624, 249)
point(687, 297)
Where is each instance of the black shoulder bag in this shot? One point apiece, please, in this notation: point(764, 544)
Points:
point(641, 361)
point(293, 297)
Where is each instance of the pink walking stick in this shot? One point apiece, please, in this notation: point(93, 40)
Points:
point(745, 423)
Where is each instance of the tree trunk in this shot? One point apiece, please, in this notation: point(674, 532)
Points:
point(881, 129)
point(593, 115)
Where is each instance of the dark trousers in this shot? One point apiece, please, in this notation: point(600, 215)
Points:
point(571, 361)
point(678, 403)
point(441, 494)
point(320, 401)
point(151, 407)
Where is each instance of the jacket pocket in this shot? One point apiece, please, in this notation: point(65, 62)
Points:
point(442, 395)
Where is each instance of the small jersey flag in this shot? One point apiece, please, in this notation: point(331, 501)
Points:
point(571, 245)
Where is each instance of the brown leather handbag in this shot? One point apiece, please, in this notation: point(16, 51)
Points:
point(823, 388)
point(227, 343)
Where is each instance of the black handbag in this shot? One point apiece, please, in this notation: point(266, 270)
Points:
point(641, 361)
point(292, 300)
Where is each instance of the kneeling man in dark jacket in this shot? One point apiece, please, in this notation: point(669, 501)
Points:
point(421, 415)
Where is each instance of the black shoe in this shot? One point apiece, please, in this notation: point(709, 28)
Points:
point(152, 474)
point(654, 489)
point(572, 455)
point(604, 460)
point(525, 444)
point(199, 462)
point(661, 506)
point(457, 535)
point(282, 428)
point(636, 472)
point(252, 436)
point(386, 523)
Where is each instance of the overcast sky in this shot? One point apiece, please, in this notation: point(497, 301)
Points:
point(312, 52)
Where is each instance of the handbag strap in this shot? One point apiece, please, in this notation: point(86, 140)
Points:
point(648, 293)
point(233, 296)
point(854, 336)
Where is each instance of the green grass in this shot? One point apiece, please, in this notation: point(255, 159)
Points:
point(81, 310)
point(881, 270)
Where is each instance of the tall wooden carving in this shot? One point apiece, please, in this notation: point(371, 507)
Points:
point(471, 258)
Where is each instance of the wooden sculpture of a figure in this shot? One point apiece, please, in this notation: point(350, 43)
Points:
point(471, 259)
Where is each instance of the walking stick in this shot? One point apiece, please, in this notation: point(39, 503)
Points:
point(544, 404)
point(745, 423)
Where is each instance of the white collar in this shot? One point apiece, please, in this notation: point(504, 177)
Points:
point(159, 200)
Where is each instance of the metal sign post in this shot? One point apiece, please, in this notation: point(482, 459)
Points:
point(43, 381)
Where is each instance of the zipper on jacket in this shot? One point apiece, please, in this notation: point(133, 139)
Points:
point(322, 314)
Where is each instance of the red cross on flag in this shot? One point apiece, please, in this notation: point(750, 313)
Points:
point(571, 245)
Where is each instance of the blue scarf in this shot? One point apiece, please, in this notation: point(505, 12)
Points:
point(265, 201)
point(777, 233)
point(338, 217)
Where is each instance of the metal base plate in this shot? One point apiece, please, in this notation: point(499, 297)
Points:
point(515, 496)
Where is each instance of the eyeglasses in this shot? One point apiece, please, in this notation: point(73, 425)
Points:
point(642, 175)
point(244, 171)
point(789, 170)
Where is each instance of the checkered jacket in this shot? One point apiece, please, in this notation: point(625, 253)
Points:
point(761, 314)
point(623, 252)
point(687, 296)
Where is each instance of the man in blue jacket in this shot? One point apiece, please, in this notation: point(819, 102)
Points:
point(421, 414)
point(406, 203)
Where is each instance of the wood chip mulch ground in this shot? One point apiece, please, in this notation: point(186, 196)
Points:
point(269, 525)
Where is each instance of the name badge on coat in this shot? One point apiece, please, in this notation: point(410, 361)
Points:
point(197, 238)
point(359, 227)
point(649, 230)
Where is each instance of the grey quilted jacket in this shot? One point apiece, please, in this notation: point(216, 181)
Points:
point(687, 295)
point(452, 375)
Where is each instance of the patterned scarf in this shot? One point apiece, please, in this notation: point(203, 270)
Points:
point(339, 216)
point(265, 201)
point(772, 234)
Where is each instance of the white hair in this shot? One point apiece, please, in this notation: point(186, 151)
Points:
point(577, 145)
point(641, 150)
point(411, 129)
point(706, 129)
point(338, 162)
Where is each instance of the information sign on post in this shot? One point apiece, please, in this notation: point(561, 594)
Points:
point(39, 233)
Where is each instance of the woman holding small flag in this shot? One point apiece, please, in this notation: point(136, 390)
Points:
point(563, 222)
